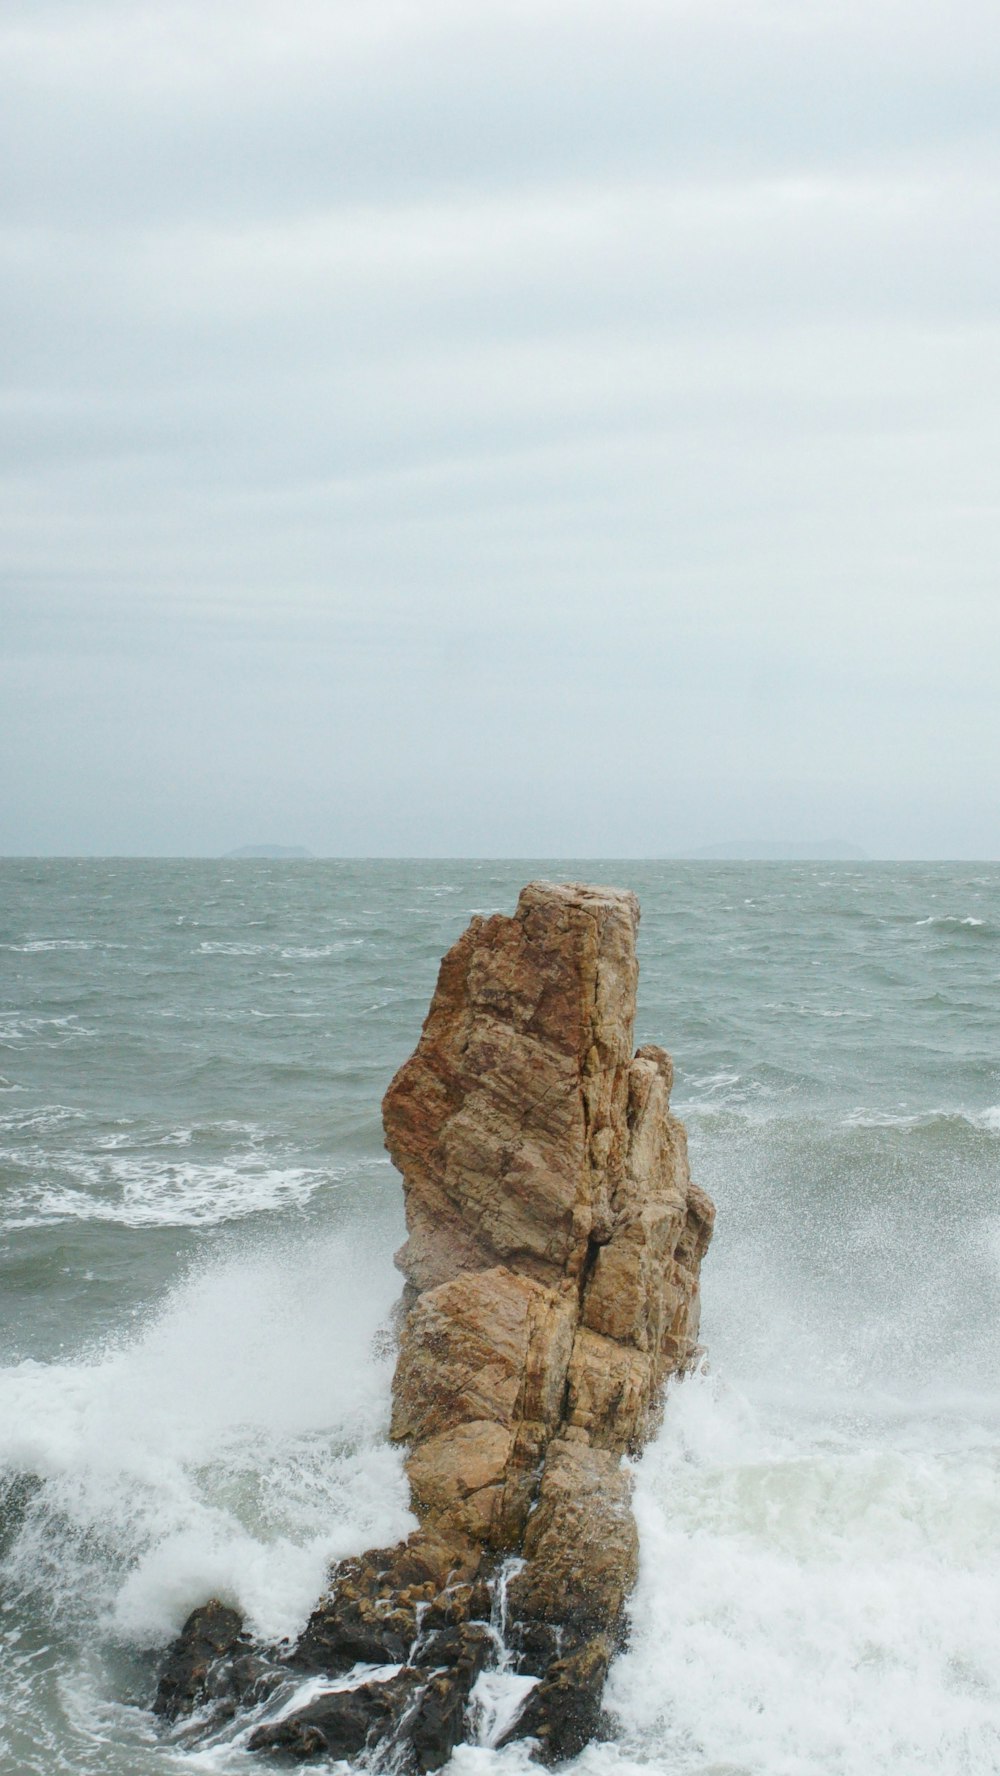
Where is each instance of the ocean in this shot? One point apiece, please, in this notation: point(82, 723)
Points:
point(196, 1273)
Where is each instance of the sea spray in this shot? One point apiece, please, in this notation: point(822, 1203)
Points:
point(235, 1445)
point(831, 1603)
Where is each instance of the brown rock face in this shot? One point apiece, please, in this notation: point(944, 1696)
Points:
point(553, 1251)
point(509, 1122)
point(552, 1264)
point(555, 1236)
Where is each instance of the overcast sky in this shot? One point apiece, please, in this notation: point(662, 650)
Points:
point(499, 428)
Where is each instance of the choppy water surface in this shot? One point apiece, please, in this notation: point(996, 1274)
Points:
point(199, 1221)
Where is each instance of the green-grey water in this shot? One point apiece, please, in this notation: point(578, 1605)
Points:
point(199, 1221)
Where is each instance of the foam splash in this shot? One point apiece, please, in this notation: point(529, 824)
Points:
point(236, 1447)
point(830, 1605)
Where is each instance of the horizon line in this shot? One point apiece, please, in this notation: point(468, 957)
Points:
point(465, 857)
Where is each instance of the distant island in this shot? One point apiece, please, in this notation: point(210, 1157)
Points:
point(778, 851)
point(280, 851)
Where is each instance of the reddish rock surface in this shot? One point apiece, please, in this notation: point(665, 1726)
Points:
point(554, 1234)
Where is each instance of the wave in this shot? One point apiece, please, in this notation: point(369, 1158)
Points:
point(49, 1032)
point(235, 1447)
point(959, 922)
point(935, 1121)
point(43, 1119)
point(288, 952)
point(147, 1191)
point(40, 945)
point(818, 1011)
point(231, 949)
point(747, 1104)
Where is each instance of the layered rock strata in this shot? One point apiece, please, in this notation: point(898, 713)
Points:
point(552, 1264)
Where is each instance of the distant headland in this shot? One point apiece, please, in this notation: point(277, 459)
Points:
point(777, 851)
point(280, 851)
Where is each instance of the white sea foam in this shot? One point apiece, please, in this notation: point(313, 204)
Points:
point(40, 945)
point(288, 952)
point(149, 1191)
point(307, 953)
point(52, 1032)
point(831, 1606)
point(235, 1448)
point(41, 1119)
point(231, 948)
point(806, 1010)
point(987, 1120)
point(497, 1699)
point(951, 919)
point(711, 1084)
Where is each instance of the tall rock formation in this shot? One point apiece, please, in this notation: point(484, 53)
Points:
point(552, 1262)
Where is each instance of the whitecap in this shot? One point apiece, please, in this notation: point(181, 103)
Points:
point(148, 1191)
point(38, 945)
point(51, 1032)
point(43, 1119)
point(209, 948)
point(309, 953)
point(987, 1120)
point(951, 919)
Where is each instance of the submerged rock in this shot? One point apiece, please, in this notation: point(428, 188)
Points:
point(552, 1265)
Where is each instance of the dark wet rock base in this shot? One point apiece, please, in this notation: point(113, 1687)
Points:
point(405, 1651)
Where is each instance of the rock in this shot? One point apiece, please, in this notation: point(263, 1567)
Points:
point(339, 1724)
point(554, 1234)
point(203, 1651)
point(554, 1243)
point(509, 1122)
point(563, 1713)
point(455, 1657)
point(431, 1697)
point(381, 1600)
point(581, 1546)
point(478, 1390)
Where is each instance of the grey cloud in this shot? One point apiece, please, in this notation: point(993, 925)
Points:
point(149, 114)
point(415, 418)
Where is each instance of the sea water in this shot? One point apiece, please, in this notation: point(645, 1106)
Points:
point(196, 1276)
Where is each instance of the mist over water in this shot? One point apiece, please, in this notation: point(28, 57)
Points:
point(197, 1263)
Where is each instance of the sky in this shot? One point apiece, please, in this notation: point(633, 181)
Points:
point(513, 429)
